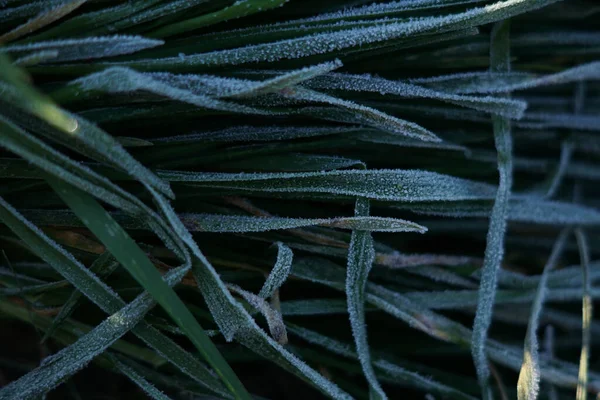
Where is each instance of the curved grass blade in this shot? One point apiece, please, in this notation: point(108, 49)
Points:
point(273, 317)
point(233, 320)
point(494, 251)
point(361, 255)
point(529, 376)
point(127, 252)
point(280, 271)
point(360, 114)
point(587, 307)
point(365, 83)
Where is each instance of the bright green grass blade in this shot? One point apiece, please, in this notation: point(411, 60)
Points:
point(529, 376)
point(105, 297)
point(361, 255)
point(126, 251)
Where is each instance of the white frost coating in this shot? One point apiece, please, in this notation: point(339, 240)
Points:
point(259, 134)
point(323, 271)
point(279, 273)
point(87, 48)
point(125, 80)
point(66, 362)
point(233, 320)
point(361, 255)
point(521, 209)
point(384, 366)
point(539, 120)
point(362, 115)
point(488, 82)
point(388, 185)
point(366, 83)
point(529, 376)
point(379, 10)
point(324, 43)
point(273, 317)
point(209, 85)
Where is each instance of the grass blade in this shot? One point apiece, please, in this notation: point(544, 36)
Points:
point(127, 252)
point(582, 383)
point(280, 271)
point(494, 251)
point(529, 376)
point(361, 255)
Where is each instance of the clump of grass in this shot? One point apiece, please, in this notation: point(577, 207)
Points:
point(299, 199)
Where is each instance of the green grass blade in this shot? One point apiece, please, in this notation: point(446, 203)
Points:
point(105, 297)
point(127, 252)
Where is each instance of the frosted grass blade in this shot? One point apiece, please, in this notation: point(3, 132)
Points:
point(104, 296)
point(237, 223)
point(132, 258)
point(273, 317)
point(41, 20)
point(399, 374)
point(280, 271)
point(494, 251)
point(85, 48)
point(103, 266)
point(362, 115)
point(529, 376)
point(236, 10)
point(327, 43)
point(66, 362)
point(365, 83)
point(384, 185)
point(361, 255)
point(587, 307)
